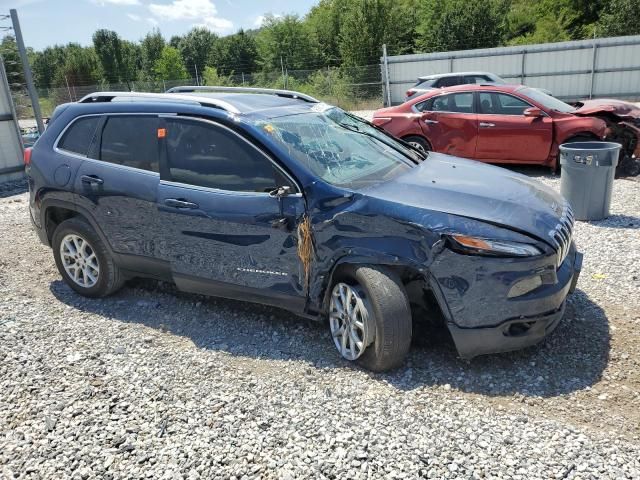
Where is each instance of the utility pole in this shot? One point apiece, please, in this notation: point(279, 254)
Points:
point(243, 79)
point(68, 89)
point(386, 74)
point(28, 78)
point(196, 67)
point(284, 81)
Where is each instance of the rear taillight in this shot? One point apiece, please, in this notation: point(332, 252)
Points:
point(410, 92)
point(27, 156)
point(380, 121)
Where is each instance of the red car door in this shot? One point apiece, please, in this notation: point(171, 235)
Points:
point(450, 123)
point(505, 134)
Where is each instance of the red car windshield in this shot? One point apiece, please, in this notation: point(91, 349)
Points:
point(547, 101)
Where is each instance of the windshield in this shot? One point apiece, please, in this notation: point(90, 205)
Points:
point(547, 101)
point(340, 148)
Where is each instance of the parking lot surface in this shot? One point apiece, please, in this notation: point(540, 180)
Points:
point(154, 383)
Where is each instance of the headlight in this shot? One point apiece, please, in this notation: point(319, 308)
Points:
point(484, 246)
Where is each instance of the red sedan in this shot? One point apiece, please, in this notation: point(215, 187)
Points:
point(496, 124)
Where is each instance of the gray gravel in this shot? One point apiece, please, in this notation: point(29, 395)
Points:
point(154, 383)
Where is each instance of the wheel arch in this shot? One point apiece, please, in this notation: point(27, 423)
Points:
point(54, 212)
point(408, 272)
point(573, 135)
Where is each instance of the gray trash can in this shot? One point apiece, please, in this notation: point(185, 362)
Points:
point(588, 169)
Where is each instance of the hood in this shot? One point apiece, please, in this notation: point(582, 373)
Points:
point(617, 107)
point(475, 190)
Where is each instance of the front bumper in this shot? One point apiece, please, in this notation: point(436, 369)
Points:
point(471, 342)
point(481, 317)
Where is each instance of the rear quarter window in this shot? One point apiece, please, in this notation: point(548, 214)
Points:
point(79, 136)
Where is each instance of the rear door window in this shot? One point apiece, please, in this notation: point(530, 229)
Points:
point(454, 102)
point(132, 141)
point(208, 155)
point(78, 137)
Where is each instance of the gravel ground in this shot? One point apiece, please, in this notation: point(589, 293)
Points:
point(154, 383)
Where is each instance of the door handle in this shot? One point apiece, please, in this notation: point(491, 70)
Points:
point(431, 122)
point(91, 179)
point(487, 125)
point(179, 203)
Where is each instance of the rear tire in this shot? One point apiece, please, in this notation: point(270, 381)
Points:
point(418, 142)
point(385, 314)
point(84, 261)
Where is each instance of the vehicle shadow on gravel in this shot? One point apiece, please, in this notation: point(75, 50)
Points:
point(571, 359)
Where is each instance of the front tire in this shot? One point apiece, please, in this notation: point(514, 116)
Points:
point(419, 143)
point(83, 260)
point(370, 318)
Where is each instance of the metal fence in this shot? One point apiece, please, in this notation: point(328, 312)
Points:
point(354, 88)
point(602, 67)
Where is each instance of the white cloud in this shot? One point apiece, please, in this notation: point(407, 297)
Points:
point(261, 18)
point(152, 21)
point(204, 11)
point(134, 17)
point(117, 2)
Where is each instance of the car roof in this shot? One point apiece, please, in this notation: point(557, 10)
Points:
point(453, 74)
point(508, 88)
point(246, 102)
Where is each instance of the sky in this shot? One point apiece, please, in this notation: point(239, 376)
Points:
point(49, 22)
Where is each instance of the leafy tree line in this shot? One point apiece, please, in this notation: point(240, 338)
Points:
point(344, 33)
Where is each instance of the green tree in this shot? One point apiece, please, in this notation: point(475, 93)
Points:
point(286, 38)
point(196, 48)
point(236, 54)
point(620, 17)
point(151, 48)
point(324, 21)
point(108, 48)
point(46, 63)
point(81, 67)
point(368, 24)
point(131, 61)
point(12, 63)
point(169, 66)
point(213, 78)
point(461, 24)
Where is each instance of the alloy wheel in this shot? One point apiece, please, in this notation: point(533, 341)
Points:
point(349, 321)
point(79, 260)
point(418, 146)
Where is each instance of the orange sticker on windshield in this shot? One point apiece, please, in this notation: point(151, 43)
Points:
point(269, 128)
point(162, 132)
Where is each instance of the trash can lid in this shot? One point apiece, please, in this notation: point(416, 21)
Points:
point(593, 145)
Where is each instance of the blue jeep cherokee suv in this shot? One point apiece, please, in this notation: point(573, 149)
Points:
point(276, 198)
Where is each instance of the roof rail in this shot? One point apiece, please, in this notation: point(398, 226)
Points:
point(158, 97)
point(267, 91)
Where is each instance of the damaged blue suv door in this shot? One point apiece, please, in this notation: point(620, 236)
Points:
point(275, 198)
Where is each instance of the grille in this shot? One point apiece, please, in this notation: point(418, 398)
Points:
point(561, 234)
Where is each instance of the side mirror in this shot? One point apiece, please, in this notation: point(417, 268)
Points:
point(533, 112)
